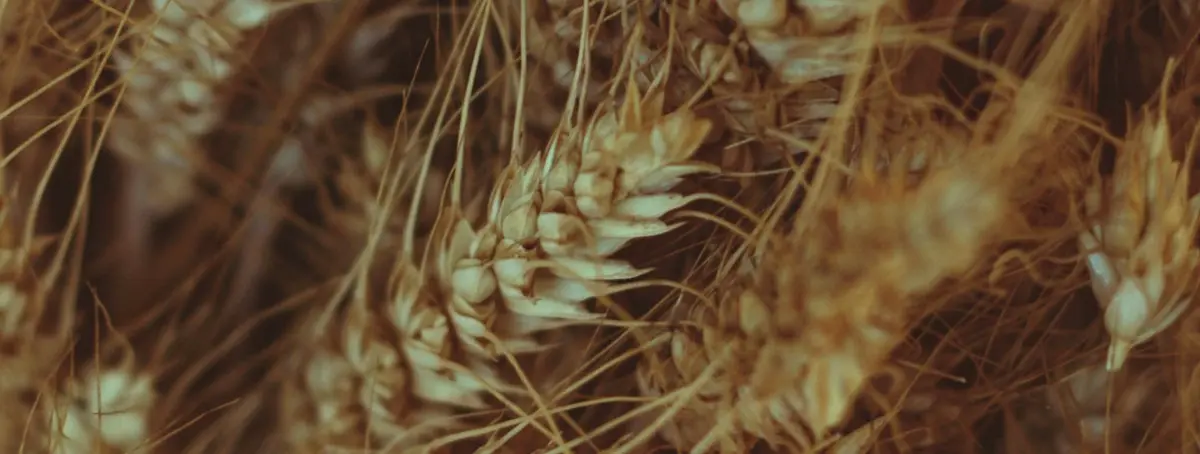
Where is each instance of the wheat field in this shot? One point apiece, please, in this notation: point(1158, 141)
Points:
point(599, 226)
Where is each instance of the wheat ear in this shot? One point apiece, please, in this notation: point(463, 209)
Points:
point(1140, 250)
point(28, 356)
point(785, 39)
point(828, 306)
point(392, 374)
point(810, 46)
point(64, 421)
point(179, 58)
point(555, 224)
point(110, 408)
point(1102, 407)
point(34, 337)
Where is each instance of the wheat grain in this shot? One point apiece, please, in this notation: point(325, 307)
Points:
point(1140, 252)
point(109, 408)
point(1104, 409)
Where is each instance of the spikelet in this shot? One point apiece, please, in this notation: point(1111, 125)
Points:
point(363, 177)
point(389, 375)
point(708, 60)
point(1105, 410)
point(555, 28)
point(826, 309)
point(1140, 251)
point(109, 410)
point(752, 103)
point(785, 37)
point(173, 73)
point(809, 46)
point(34, 335)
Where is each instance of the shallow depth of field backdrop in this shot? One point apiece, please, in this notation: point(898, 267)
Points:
point(585, 226)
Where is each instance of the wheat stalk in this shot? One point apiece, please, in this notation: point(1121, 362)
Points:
point(1140, 252)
